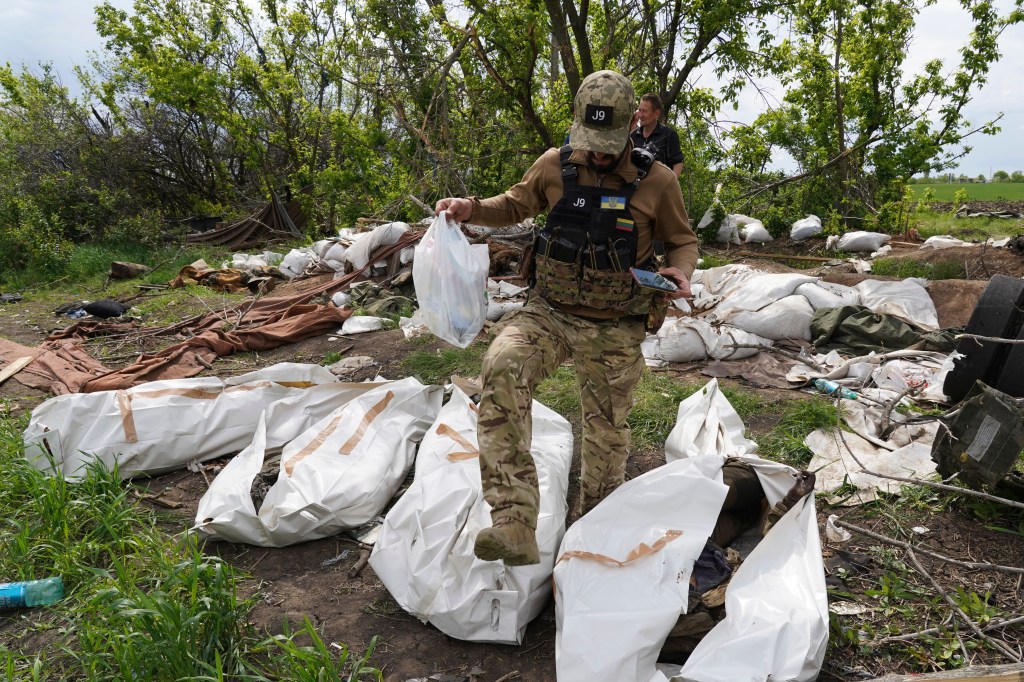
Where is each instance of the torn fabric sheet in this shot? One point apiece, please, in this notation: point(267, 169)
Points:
point(424, 555)
point(837, 469)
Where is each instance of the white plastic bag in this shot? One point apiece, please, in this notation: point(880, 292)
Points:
point(706, 424)
point(450, 276)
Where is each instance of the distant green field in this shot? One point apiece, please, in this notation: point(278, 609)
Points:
point(981, 191)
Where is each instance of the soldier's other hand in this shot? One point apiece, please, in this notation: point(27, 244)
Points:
point(681, 281)
point(460, 210)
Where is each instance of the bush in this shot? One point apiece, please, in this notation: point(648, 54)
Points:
point(30, 241)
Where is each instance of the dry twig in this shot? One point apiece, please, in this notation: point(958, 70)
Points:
point(1007, 651)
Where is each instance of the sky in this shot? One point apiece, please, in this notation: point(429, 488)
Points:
point(62, 32)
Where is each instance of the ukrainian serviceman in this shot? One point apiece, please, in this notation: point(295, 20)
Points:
point(604, 214)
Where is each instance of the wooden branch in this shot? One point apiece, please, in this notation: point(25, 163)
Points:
point(992, 625)
point(1007, 651)
point(978, 338)
point(15, 367)
point(974, 673)
point(973, 565)
point(782, 256)
point(811, 173)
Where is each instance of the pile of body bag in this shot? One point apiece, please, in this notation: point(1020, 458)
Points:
point(424, 555)
point(622, 578)
point(337, 473)
point(160, 426)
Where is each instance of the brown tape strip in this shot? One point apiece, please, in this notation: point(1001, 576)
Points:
point(312, 446)
point(124, 404)
point(371, 414)
point(471, 450)
point(638, 552)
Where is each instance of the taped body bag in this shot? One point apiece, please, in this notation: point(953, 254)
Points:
point(450, 276)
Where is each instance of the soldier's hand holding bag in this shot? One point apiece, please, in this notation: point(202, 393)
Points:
point(450, 276)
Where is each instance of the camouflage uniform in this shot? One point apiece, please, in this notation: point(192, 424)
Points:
point(531, 345)
point(603, 343)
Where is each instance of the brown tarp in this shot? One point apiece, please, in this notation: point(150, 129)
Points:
point(276, 220)
point(63, 366)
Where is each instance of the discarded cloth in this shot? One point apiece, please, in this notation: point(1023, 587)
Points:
point(856, 328)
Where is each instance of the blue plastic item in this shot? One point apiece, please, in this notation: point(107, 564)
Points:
point(31, 593)
point(832, 388)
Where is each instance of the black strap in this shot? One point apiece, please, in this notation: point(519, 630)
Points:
point(569, 173)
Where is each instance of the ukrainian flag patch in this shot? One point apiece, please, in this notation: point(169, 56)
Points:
point(623, 224)
point(614, 203)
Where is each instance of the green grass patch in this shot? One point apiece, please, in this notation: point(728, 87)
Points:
point(798, 418)
point(710, 260)
point(932, 223)
point(141, 603)
point(977, 191)
point(561, 393)
point(437, 367)
point(908, 267)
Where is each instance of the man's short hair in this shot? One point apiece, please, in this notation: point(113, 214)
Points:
point(654, 100)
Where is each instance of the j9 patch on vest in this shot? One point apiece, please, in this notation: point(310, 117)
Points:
point(597, 116)
point(613, 203)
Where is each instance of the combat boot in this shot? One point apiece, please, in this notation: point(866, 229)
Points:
point(510, 541)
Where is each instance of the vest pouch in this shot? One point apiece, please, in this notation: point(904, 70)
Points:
point(558, 282)
point(610, 290)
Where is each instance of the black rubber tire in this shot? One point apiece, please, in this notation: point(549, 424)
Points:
point(998, 314)
point(1011, 375)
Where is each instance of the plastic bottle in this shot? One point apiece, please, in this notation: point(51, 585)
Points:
point(832, 388)
point(31, 593)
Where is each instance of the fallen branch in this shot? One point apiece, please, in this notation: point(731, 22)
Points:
point(973, 565)
point(992, 625)
point(782, 256)
point(1007, 651)
point(978, 338)
point(919, 481)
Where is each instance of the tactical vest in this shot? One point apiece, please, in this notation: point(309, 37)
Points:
point(587, 245)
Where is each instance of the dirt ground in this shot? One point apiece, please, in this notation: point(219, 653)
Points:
point(353, 607)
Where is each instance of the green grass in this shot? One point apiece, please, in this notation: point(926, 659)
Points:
point(931, 223)
point(797, 419)
point(908, 267)
point(143, 602)
point(981, 191)
point(437, 367)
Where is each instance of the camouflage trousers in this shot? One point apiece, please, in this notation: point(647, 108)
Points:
point(530, 346)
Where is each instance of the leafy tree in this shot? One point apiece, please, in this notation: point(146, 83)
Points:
point(1017, 176)
point(1000, 176)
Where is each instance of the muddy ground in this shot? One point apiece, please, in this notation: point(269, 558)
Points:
point(294, 582)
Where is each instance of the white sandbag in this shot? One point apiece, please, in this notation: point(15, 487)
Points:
point(943, 241)
point(272, 257)
point(684, 339)
point(711, 286)
point(161, 425)
point(341, 299)
point(424, 554)
point(498, 308)
point(788, 318)
point(805, 228)
point(358, 254)
point(335, 252)
point(450, 276)
point(622, 580)
point(759, 290)
point(728, 231)
point(906, 300)
point(755, 232)
point(862, 241)
point(359, 324)
point(707, 423)
point(321, 248)
point(294, 264)
point(823, 294)
point(339, 473)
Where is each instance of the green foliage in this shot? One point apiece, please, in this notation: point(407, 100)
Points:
point(909, 267)
point(959, 199)
point(438, 367)
point(798, 418)
point(140, 604)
